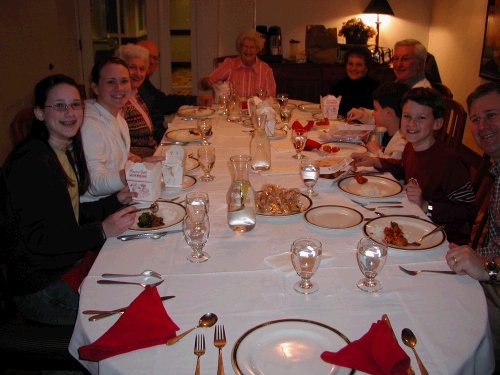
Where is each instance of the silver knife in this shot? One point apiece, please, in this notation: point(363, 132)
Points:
point(103, 314)
point(146, 235)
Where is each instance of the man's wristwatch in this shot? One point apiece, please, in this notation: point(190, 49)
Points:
point(493, 269)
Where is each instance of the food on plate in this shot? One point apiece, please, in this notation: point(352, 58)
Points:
point(359, 178)
point(325, 121)
point(149, 220)
point(273, 199)
point(394, 235)
point(328, 161)
point(330, 149)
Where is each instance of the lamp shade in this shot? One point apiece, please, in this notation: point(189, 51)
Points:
point(379, 7)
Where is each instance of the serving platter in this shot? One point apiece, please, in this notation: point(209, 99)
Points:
point(195, 112)
point(333, 217)
point(288, 347)
point(375, 187)
point(413, 228)
point(171, 212)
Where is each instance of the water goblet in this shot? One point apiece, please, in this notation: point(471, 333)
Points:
point(309, 173)
point(223, 100)
point(306, 257)
point(282, 100)
point(371, 257)
point(206, 157)
point(285, 115)
point(262, 93)
point(196, 236)
point(299, 138)
point(197, 205)
point(205, 127)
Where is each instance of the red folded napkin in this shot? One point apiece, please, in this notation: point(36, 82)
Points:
point(297, 125)
point(310, 144)
point(375, 353)
point(75, 275)
point(145, 323)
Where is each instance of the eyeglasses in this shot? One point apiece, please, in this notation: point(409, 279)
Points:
point(402, 59)
point(61, 107)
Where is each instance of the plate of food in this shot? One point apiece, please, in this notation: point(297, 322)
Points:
point(184, 135)
point(399, 230)
point(370, 186)
point(333, 217)
point(341, 149)
point(288, 347)
point(195, 112)
point(187, 182)
point(275, 201)
point(168, 214)
point(312, 108)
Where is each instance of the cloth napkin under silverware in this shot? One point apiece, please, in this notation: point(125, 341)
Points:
point(144, 323)
point(375, 353)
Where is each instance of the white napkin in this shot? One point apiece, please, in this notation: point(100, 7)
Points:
point(283, 262)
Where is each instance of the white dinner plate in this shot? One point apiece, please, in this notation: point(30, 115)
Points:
point(312, 108)
point(413, 228)
point(187, 182)
point(303, 199)
point(191, 164)
point(375, 187)
point(333, 217)
point(195, 112)
point(346, 149)
point(289, 106)
point(288, 347)
point(171, 212)
point(185, 135)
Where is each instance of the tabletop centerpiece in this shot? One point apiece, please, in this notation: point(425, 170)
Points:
point(356, 31)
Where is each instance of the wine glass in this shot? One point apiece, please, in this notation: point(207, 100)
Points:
point(285, 115)
point(262, 93)
point(309, 172)
point(306, 257)
point(223, 100)
point(299, 138)
point(206, 157)
point(196, 236)
point(371, 258)
point(282, 100)
point(197, 206)
point(205, 127)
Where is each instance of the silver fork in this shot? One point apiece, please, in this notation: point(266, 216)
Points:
point(414, 273)
point(220, 342)
point(419, 241)
point(368, 203)
point(199, 350)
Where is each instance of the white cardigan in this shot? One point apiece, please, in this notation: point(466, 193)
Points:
point(106, 142)
point(394, 149)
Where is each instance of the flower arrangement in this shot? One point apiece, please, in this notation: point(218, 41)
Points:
point(356, 30)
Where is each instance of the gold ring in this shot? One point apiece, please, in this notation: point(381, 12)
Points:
point(455, 258)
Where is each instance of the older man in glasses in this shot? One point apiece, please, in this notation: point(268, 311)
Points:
point(159, 103)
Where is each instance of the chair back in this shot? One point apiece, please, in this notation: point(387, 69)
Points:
point(443, 90)
point(220, 60)
point(20, 127)
point(453, 127)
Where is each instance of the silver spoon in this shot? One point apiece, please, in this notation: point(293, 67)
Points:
point(207, 320)
point(153, 208)
point(145, 273)
point(129, 283)
point(410, 341)
point(138, 237)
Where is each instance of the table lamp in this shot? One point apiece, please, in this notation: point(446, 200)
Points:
point(378, 7)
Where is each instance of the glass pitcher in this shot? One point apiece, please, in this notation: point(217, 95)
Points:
point(234, 110)
point(260, 146)
point(241, 214)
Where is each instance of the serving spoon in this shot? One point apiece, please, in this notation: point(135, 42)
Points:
point(410, 341)
point(207, 320)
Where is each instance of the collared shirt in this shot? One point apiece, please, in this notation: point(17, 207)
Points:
point(493, 235)
point(249, 79)
point(417, 80)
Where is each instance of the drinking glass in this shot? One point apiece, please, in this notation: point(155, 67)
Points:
point(205, 127)
point(206, 157)
point(223, 100)
point(262, 93)
point(196, 236)
point(282, 100)
point(309, 173)
point(371, 257)
point(306, 257)
point(299, 138)
point(285, 115)
point(197, 206)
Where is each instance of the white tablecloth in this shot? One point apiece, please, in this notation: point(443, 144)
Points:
point(447, 313)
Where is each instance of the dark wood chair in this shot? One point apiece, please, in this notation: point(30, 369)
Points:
point(444, 90)
point(220, 60)
point(453, 127)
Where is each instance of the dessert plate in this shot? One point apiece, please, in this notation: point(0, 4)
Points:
point(333, 217)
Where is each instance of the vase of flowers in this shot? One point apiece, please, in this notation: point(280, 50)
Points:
point(356, 31)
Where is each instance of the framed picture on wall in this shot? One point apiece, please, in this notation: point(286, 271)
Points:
point(490, 58)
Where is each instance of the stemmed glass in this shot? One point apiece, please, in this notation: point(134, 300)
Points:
point(309, 173)
point(205, 127)
point(196, 236)
point(197, 206)
point(285, 115)
point(262, 93)
point(371, 257)
point(299, 138)
point(306, 257)
point(206, 157)
point(282, 100)
point(223, 100)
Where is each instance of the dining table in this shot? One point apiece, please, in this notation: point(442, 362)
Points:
point(447, 313)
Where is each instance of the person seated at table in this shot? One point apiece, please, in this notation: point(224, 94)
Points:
point(160, 104)
point(246, 71)
point(357, 88)
point(105, 132)
point(484, 113)
point(51, 238)
point(135, 112)
point(408, 64)
point(387, 114)
point(437, 178)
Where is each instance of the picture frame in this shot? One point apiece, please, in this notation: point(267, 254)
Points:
point(490, 57)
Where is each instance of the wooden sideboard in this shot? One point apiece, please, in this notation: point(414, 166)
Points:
point(310, 81)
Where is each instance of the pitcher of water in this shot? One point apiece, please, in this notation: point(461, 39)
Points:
point(241, 214)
